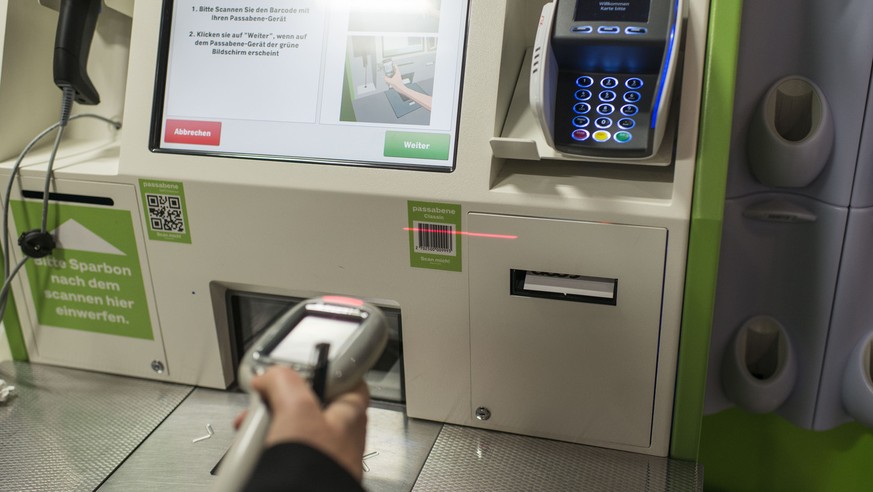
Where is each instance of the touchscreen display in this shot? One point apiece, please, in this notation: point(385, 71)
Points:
point(613, 10)
point(326, 81)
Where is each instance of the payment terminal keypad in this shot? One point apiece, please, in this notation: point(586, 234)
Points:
point(604, 114)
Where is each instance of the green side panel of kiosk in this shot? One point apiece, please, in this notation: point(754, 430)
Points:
point(706, 222)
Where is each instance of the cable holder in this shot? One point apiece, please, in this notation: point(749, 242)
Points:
point(36, 243)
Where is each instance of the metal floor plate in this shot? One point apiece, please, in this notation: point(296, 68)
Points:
point(76, 430)
point(473, 459)
point(68, 429)
point(177, 457)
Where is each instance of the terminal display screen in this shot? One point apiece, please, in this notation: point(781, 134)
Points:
point(613, 10)
point(299, 345)
point(374, 82)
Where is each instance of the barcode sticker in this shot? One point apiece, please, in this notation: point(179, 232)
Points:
point(434, 235)
point(436, 239)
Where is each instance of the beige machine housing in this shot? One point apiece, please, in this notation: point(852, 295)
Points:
point(590, 373)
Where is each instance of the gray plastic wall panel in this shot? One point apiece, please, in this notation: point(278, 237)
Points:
point(831, 44)
point(852, 318)
point(786, 270)
point(862, 195)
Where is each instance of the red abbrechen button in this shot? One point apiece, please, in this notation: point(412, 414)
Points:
point(193, 132)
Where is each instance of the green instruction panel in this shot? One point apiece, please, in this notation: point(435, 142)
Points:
point(434, 235)
point(165, 212)
point(92, 281)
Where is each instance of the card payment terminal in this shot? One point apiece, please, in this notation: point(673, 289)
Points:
point(602, 74)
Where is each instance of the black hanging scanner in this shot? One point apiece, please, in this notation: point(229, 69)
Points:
point(602, 75)
point(77, 21)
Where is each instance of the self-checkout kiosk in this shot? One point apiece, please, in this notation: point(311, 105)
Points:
point(510, 184)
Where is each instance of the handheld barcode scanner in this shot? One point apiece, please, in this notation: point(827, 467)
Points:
point(77, 21)
point(330, 341)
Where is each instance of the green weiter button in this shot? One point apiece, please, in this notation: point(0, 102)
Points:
point(417, 145)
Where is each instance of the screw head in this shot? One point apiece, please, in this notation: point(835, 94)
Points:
point(483, 413)
point(158, 366)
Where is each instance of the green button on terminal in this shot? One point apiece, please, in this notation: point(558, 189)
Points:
point(622, 137)
point(417, 145)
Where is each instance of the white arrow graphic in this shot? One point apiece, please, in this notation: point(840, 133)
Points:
point(73, 235)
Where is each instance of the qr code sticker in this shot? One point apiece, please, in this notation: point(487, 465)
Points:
point(165, 213)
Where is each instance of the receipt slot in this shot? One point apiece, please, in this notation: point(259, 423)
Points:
point(602, 75)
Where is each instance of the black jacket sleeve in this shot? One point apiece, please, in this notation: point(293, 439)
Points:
point(296, 467)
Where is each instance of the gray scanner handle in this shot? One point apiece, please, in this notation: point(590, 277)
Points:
point(240, 460)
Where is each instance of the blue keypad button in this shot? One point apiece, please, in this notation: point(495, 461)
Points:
point(581, 108)
point(584, 81)
point(584, 95)
point(635, 31)
point(632, 96)
point(603, 122)
point(629, 110)
point(580, 135)
point(606, 96)
point(633, 83)
point(581, 121)
point(582, 29)
point(608, 30)
point(626, 123)
point(622, 137)
point(609, 82)
point(605, 109)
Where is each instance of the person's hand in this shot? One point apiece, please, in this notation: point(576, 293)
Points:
point(339, 430)
point(396, 80)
